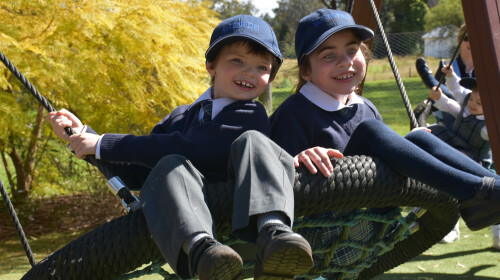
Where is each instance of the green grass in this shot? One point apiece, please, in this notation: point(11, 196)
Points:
point(469, 258)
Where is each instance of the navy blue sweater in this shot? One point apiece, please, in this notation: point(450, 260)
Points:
point(298, 124)
point(206, 145)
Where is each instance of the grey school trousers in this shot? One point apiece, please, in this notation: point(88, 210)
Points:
point(174, 195)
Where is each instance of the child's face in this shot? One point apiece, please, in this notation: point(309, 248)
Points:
point(337, 66)
point(475, 106)
point(239, 74)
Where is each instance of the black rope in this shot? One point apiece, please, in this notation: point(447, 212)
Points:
point(46, 104)
point(350, 6)
point(402, 89)
point(430, 101)
point(441, 80)
point(17, 224)
point(31, 88)
point(26, 83)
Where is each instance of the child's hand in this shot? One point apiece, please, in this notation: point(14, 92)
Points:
point(448, 72)
point(435, 93)
point(84, 144)
point(421, 128)
point(317, 157)
point(60, 120)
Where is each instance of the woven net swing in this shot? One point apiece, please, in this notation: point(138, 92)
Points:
point(357, 184)
point(354, 217)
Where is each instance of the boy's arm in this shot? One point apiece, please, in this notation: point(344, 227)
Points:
point(446, 104)
point(204, 145)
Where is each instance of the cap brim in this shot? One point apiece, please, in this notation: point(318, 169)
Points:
point(363, 32)
point(468, 83)
point(214, 48)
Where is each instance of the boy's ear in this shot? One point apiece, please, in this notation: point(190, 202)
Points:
point(210, 68)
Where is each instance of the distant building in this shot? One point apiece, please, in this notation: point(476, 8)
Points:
point(440, 42)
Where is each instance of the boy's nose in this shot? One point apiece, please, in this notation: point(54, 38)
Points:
point(249, 71)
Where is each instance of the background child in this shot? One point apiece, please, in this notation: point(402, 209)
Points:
point(468, 134)
point(325, 118)
point(464, 66)
point(194, 145)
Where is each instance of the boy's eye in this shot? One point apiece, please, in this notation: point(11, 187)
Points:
point(263, 68)
point(237, 60)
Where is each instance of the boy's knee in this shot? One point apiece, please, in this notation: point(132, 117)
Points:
point(251, 136)
point(169, 160)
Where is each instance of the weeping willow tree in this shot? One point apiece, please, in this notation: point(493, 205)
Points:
point(119, 65)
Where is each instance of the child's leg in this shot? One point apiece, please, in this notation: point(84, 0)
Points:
point(373, 137)
point(173, 202)
point(442, 151)
point(264, 176)
point(479, 196)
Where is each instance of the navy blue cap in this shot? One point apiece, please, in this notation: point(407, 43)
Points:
point(244, 27)
point(468, 83)
point(318, 26)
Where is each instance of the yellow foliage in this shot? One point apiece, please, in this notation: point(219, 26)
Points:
point(120, 65)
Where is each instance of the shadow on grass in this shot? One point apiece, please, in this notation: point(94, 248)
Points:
point(471, 274)
point(452, 255)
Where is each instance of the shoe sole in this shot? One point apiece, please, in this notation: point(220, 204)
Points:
point(285, 263)
point(225, 267)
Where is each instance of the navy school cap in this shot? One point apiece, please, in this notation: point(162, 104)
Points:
point(244, 27)
point(318, 26)
point(468, 83)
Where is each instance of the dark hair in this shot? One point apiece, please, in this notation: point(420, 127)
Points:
point(254, 48)
point(306, 65)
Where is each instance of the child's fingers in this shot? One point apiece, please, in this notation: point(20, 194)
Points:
point(307, 163)
point(320, 158)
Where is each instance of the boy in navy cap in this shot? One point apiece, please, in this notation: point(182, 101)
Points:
point(193, 146)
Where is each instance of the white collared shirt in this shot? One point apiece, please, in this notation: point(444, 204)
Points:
point(326, 101)
point(217, 104)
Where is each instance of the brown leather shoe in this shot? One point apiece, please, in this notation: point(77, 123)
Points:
point(212, 260)
point(484, 208)
point(282, 254)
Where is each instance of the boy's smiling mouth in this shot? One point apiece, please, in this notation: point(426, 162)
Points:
point(244, 84)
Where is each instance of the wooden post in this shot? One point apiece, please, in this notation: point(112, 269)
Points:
point(482, 18)
point(362, 14)
point(267, 98)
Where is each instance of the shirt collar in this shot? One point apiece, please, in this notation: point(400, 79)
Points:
point(217, 104)
point(326, 101)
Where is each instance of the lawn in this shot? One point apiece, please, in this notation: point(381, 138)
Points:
point(469, 258)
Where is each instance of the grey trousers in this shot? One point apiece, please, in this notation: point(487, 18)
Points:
point(174, 195)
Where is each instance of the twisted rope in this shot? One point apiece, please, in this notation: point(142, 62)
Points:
point(31, 88)
point(402, 90)
point(17, 224)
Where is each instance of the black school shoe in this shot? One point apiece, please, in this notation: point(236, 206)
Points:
point(425, 73)
point(212, 260)
point(281, 253)
point(484, 208)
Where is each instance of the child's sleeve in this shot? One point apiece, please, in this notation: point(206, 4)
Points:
point(448, 105)
point(453, 84)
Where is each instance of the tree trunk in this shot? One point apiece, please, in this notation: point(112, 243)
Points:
point(24, 166)
point(7, 171)
point(20, 191)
